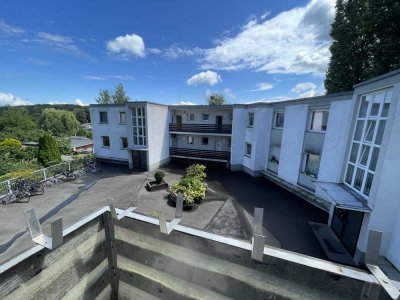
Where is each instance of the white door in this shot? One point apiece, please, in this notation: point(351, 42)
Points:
point(218, 146)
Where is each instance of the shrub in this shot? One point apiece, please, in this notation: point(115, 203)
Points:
point(48, 150)
point(159, 176)
point(12, 143)
point(196, 170)
point(186, 181)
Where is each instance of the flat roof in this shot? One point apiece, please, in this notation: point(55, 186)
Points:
point(383, 76)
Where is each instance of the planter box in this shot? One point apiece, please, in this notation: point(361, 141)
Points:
point(154, 186)
point(273, 167)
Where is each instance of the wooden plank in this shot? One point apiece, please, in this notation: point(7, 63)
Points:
point(129, 292)
point(55, 280)
point(19, 274)
point(111, 253)
point(105, 293)
point(87, 283)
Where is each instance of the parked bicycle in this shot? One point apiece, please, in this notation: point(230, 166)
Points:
point(91, 168)
point(18, 193)
point(33, 187)
point(65, 176)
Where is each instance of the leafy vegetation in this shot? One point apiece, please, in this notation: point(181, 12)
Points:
point(48, 153)
point(159, 176)
point(216, 99)
point(108, 97)
point(192, 185)
point(59, 122)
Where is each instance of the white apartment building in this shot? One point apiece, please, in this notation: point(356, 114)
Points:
point(341, 152)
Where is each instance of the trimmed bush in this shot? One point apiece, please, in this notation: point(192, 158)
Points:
point(159, 176)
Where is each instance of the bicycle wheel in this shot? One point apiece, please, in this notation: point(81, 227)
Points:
point(37, 189)
point(11, 198)
point(24, 197)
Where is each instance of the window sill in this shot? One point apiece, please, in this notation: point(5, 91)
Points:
point(103, 122)
point(246, 155)
point(250, 126)
point(105, 147)
point(121, 123)
point(316, 131)
point(310, 175)
point(280, 128)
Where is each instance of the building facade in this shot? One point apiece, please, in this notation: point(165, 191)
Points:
point(340, 152)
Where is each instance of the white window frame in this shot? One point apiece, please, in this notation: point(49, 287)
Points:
point(311, 119)
point(250, 120)
point(102, 141)
point(190, 138)
point(189, 116)
point(305, 160)
point(122, 142)
point(205, 120)
point(370, 97)
point(275, 118)
point(246, 148)
point(120, 114)
point(139, 126)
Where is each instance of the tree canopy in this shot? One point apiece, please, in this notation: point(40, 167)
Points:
point(108, 97)
point(366, 42)
point(49, 152)
point(59, 122)
point(216, 99)
point(16, 123)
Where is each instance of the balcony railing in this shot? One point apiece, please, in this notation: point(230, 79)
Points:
point(202, 154)
point(201, 128)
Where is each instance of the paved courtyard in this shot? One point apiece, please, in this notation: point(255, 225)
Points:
point(286, 217)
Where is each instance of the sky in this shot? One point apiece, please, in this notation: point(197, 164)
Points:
point(169, 52)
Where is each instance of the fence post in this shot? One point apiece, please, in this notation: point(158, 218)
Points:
point(69, 166)
point(44, 174)
point(9, 186)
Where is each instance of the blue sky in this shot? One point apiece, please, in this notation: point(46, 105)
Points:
point(163, 51)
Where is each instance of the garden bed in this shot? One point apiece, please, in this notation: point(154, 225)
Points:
point(155, 186)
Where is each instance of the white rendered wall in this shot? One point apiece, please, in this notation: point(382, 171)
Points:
point(393, 251)
point(238, 134)
point(157, 135)
point(336, 141)
point(292, 142)
point(112, 129)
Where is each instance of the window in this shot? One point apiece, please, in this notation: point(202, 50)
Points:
point(248, 149)
point(205, 117)
point(230, 117)
point(367, 139)
point(251, 119)
point(139, 126)
point(190, 140)
point(124, 142)
point(311, 164)
point(190, 117)
point(122, 117)
point(319, 120)
point(204, 140)
point(106, 141)
point(103, 117)
point(279, 119)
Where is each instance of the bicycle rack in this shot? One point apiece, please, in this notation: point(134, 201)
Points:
point(166, 227)
point(35, 229)
point(258, 239)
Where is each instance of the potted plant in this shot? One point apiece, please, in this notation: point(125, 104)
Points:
point(158, 183)
point(274, 160)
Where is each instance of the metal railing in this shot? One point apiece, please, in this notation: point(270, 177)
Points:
point(45, 173)
point(201, 128)
point(203, 154)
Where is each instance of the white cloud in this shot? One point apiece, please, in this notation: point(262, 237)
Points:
point(9, 29)
point(184, 103)
point(307, 89)
point(293, 42)
point(57, 42)
point(58, 102)
point(8, 99)
point(128, 45)
point(263, 86)
point(207, 77)
point(175, 52)
point(229, 92)
point(104, 77)
point(80, 102)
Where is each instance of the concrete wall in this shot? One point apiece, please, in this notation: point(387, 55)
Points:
point(337, 137)
point(238, 136)
point(213, 112)
point(292, 142)
point(113, 129)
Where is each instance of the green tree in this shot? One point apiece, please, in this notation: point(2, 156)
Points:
point(104, 97)
point(350, 61)
point(216, 99)
point(81, 114)
point(384, 25)
point(59, 122)
point(49, 151)
point(16, 123)
point(119, 95)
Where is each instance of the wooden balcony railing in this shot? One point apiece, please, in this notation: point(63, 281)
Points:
point(201, 128)
point(204, 154)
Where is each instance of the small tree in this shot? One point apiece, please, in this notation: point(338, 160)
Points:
point(104, 97)
point(216, 99)
point(159, 176)
point(119, 95)
point(49, 151)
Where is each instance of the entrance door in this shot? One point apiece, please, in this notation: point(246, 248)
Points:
point(218, 121)
point(347, 225)
point(136, 160)
point(179, 122)
point(218, 146)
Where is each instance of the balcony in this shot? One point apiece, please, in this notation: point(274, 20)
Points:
point(210, 155)
point(201, 128)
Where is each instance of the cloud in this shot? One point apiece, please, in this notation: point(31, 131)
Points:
point(293, 42)
point(263, 86)
point(9, 29)
point(307, 89)
point(80, 102)
point(184, 103)
point(104, 77)
point(175, 52)
point(8, 99)
point(229, 92)
point(128, 45)
point(35, 61)
point(207, 77)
